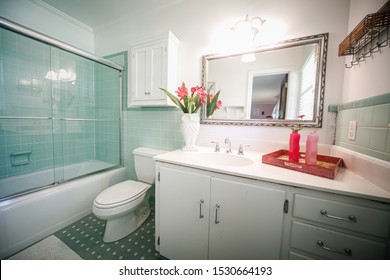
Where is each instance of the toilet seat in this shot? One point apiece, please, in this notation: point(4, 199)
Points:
point(121, 194)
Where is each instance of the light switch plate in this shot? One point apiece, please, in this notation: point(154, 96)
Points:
point(352, 130)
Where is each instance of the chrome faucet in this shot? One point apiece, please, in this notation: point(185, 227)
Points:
point(216, 146)
point(229, 149)
point(241, 149)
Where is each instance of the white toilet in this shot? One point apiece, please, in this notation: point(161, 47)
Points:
point(125, 206)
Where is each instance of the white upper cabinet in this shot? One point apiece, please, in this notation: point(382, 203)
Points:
point(153, 65)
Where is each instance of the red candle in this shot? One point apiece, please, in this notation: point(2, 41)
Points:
point(293, 152)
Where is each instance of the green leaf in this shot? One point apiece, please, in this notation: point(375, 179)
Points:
point(175, 100)
point(210, 88)
point(211, 105)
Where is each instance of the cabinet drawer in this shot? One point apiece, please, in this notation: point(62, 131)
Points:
point(334, 245)
point(296, 256)
point(348, 216)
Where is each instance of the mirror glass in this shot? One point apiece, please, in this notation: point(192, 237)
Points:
point(270, 85)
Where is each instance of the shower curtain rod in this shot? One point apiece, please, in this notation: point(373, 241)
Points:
point(46, 39)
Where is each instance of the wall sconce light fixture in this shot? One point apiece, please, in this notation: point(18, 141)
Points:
point(248, 29)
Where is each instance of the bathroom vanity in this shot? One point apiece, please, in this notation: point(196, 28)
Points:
point(224, 206)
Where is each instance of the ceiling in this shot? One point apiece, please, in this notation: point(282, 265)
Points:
point(99, 13)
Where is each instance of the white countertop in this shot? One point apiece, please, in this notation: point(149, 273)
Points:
point(346, 181)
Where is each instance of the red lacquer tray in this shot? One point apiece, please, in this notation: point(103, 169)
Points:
point(326, 166)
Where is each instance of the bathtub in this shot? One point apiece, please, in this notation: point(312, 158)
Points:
point(31, 181)
point(31, 217)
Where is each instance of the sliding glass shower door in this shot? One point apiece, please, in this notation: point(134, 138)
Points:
point(59, 114)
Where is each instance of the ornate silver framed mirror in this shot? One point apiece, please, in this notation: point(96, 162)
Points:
point(269, 85)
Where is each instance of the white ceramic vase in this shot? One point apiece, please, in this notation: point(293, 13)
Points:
point(190, 128)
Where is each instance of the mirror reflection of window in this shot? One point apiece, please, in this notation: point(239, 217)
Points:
point(307, 87)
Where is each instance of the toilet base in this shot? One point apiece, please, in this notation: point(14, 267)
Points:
point(122, 226)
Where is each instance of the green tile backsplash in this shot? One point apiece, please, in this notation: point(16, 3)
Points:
point(150, 127)
point(373, 126)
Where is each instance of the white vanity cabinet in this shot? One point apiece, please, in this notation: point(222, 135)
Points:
point(182, 214)
point(153, 63)
point(331, 226)
point(206, 215)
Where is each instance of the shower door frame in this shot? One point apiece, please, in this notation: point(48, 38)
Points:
point(52, 42)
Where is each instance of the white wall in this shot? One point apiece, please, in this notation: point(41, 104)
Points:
point(195, 23)
point(38, 18)
point(371, 77)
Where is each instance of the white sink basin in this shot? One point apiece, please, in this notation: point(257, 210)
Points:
point(224, 159)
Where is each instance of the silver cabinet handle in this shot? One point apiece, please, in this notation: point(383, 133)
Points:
point(201, 216)
point(216, 213)
point(347, 252)
point(350, 218)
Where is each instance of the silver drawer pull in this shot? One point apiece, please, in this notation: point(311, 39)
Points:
point(347, 252)
point(200, 209)
point(216, 213)
point(351, 218)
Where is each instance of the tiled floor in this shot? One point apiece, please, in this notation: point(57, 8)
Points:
point(85, 237)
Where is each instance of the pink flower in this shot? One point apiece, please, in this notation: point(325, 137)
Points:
point(219, 102)
point(191, 103)
point(182, 91)
point(195, 89)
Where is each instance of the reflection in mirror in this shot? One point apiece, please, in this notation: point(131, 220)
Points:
point(268, 96)
point(270, 85)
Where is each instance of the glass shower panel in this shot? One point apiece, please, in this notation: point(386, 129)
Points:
point(59, 113)
point(26, 140)
point(26, 147)
point(86, 108)
point(24, 92)
point(107, 115)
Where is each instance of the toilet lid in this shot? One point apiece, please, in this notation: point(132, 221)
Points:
point(119, 193)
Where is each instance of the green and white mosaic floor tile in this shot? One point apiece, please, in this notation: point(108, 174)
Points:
point(85, 237)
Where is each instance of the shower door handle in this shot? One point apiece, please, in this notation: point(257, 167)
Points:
point(201, 216)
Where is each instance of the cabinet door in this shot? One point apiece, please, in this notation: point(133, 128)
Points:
point(245, 220)
point(139, 77)
point(149, 72)
point(184, 218)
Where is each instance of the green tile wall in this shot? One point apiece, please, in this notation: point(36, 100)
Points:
point(38, 115)
point(150, 127)
point(373, 126)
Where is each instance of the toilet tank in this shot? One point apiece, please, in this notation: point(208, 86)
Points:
point(144, 163)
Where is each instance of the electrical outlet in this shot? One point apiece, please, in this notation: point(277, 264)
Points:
point(352, 130)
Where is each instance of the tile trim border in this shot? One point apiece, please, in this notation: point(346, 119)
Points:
point(366, 102)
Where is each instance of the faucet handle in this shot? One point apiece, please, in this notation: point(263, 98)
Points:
point(216, 146)
point(229, 148)
point(241, 149)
